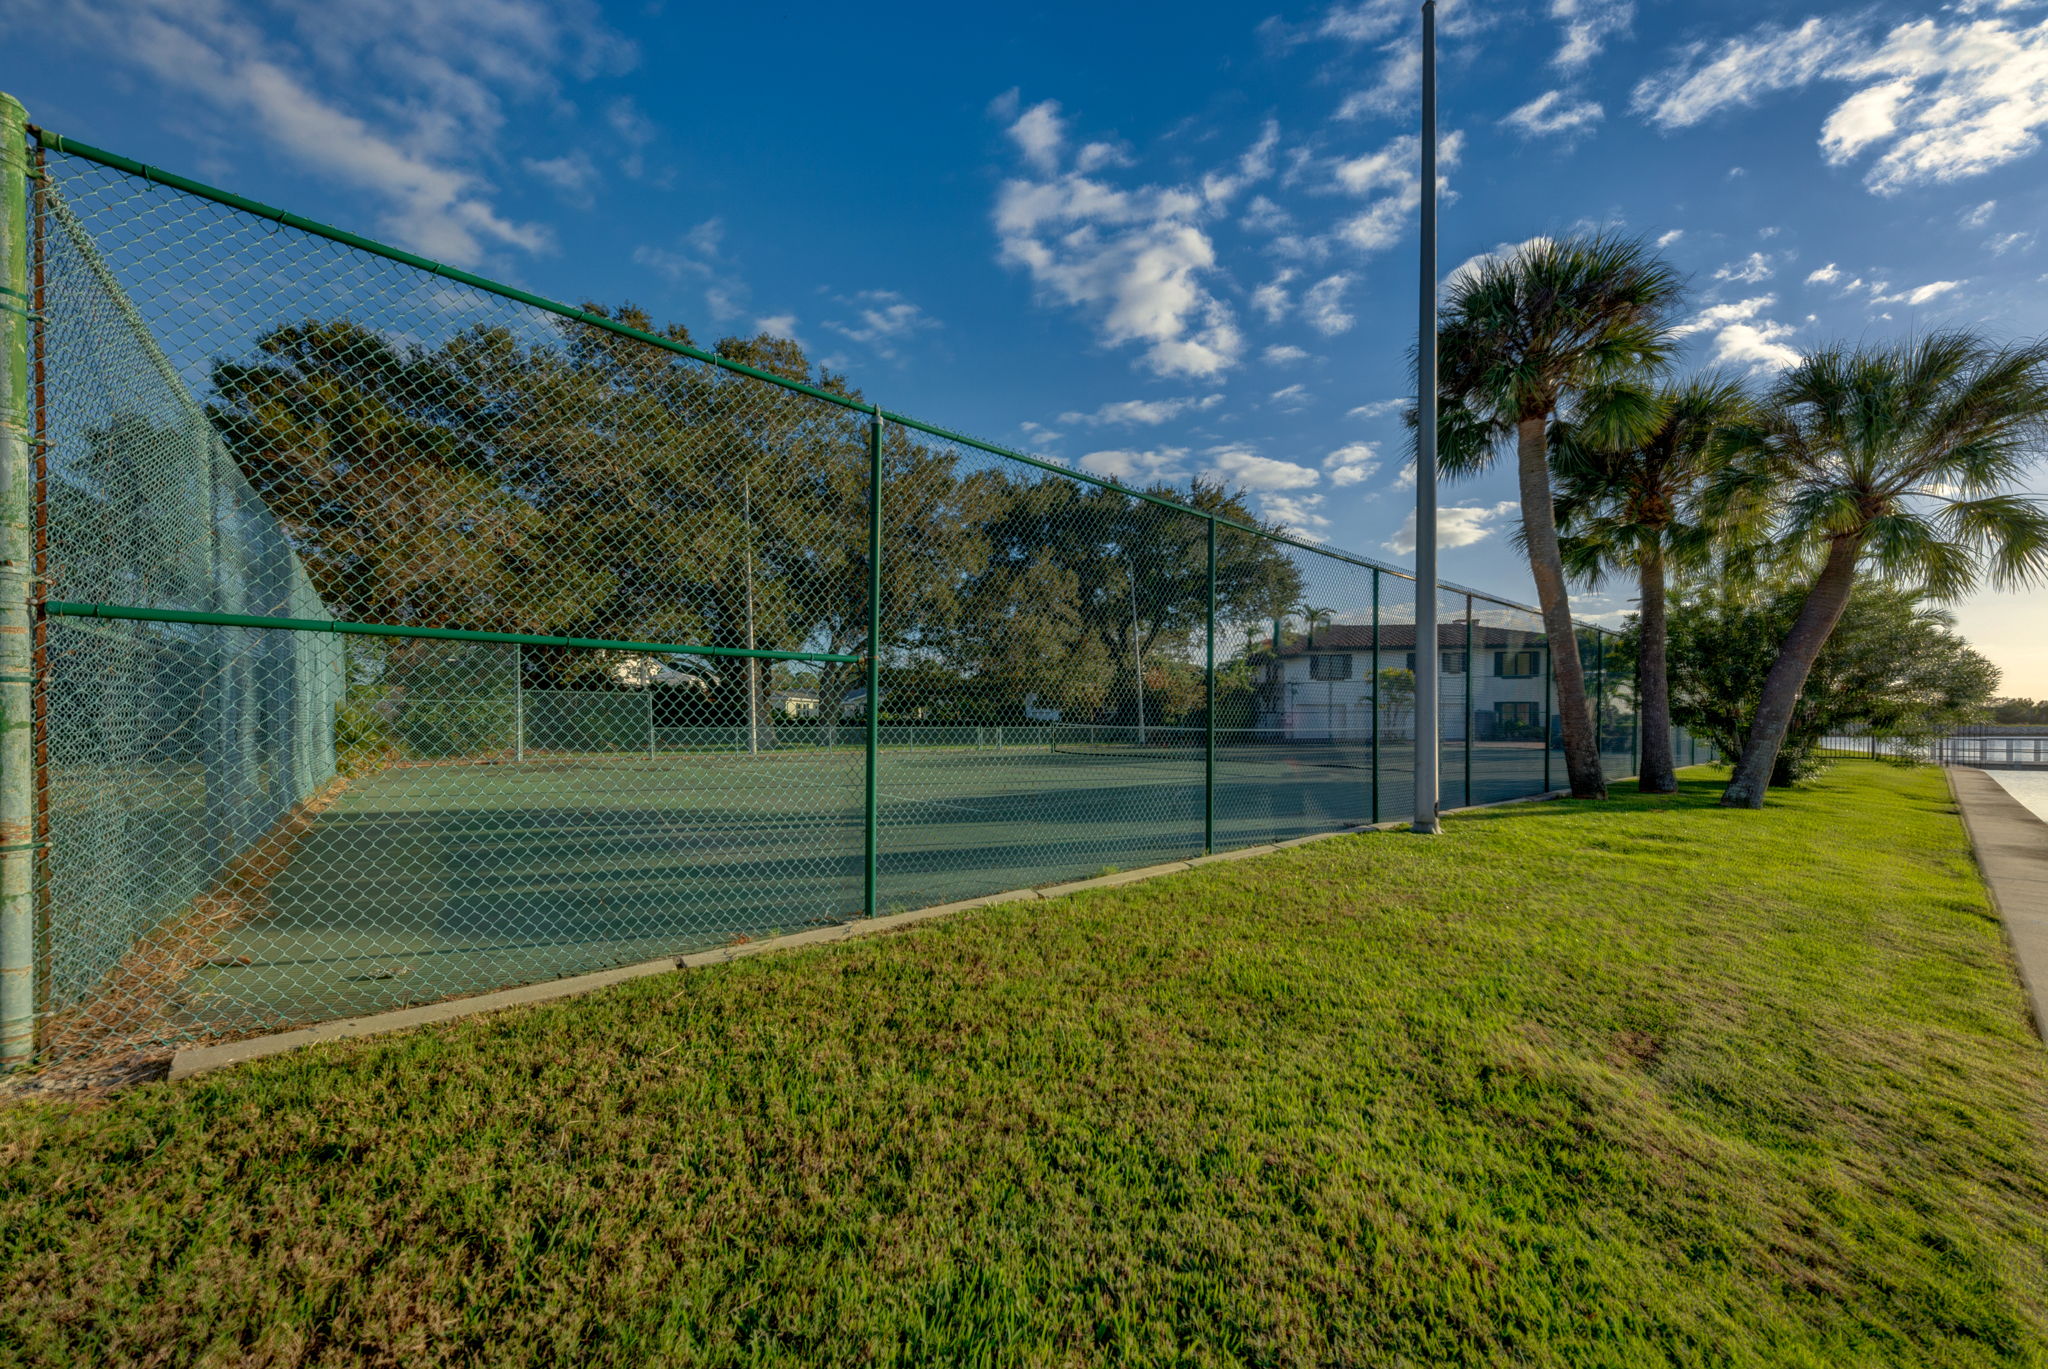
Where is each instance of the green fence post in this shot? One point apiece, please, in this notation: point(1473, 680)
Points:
point(1209, 712)
point(1549, 702)
point(1635, 738)
point(1600, 701)
point(1375, 696)
point(1470, 671)
point(873, 669)
point(17, 605)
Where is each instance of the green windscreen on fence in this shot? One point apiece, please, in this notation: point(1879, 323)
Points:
point(407, 637)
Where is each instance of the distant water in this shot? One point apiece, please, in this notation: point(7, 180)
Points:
point(2028, 786)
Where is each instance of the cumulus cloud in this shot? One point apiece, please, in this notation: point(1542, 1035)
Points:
point(1236, 464)
point(1138, 261)
point(449, 77)
point(1930, 101)
point(1553, 113)
point(1377, 409)
point(1352, 464)
point(1282, 354)
point(1138, 467)
point(1297, 514)
point(1143, 412)
point(1588, 24)
point(1272, 299)
point(1740, 71)
point(1919, 294)
point(1742, 336)
point(885, 319)
point(1826, 275)
point(1388, 179)
point(1667, 238)
point(1457, 525)
point(1322, 305)
point(1290, 397)
point(1397, 84)
point(1751, 269)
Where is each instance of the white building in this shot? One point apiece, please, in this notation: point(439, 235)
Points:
point(1325, 683)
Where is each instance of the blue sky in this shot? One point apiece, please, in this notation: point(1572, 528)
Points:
point(1154, 242)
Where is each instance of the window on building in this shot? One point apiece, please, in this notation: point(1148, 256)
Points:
point(1329, 667)
point(1453, 662)
point(1516, 715)
point(1517, 665)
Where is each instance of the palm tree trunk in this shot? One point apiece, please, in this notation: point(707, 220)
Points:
point(1658, 772)
point(1546, 564)
point(1817, 618)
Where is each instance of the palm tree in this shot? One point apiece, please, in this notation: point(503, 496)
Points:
point(1896, 460)
point(1522, 336)
point(1636, 506)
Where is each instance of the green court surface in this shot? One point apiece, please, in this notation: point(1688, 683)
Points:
point(423, 881)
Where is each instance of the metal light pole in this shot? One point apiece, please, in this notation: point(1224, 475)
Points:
point(1427, 704)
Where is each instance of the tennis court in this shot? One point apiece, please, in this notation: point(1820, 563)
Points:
point(424, 880)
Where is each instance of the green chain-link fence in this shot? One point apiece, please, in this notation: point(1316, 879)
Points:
point(399, 635)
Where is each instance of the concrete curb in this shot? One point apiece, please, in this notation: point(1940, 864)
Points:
point(200, 1059)
point(2011, 847)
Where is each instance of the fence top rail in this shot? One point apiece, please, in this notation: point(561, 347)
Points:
point(199, 618)
point(72, 147)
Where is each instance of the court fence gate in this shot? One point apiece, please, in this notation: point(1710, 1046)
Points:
point(373, 633)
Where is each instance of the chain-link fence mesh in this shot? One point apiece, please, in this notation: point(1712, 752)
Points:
point(406, 637)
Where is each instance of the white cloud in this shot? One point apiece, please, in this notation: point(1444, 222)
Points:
point(1238, 465)
point(1264, 216)
point(1138, 261)
point(448, 77)
point(2007, 242)
point(1551, 113)
point(1143, 412)
point(1390, 180)
point(1296, 513)
point(1272, 299)
point(1743, 337)
point(1919, 294)
point(1739, 72)
point(1281, 354)
point(1588, 24)
point(777, 325)
point(1322, 305)
point(1478, 261)
point(1932, 100)
point(1255, 165)
point(1826, 275)
point(885, 319)
point(1396, 85)
point(1290, 397)
point(1352, 464)
point(1457, 525)
point(1377, 409)
point(1138, 467)
point(1038, 134)
point(1979, 216)
point(1666, 239)
point(573, 176)
point(1751, 269)
point(696, 259)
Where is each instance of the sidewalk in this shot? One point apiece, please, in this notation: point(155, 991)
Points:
point(2011, 846)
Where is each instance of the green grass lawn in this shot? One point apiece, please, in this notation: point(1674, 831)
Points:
point(1636, 1083)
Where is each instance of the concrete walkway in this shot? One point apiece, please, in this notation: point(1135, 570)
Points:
point(2011, 846)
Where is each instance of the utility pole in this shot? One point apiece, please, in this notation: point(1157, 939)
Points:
point(1428, 721)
